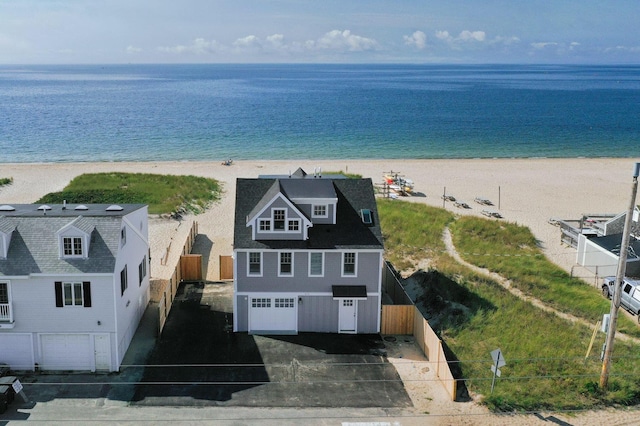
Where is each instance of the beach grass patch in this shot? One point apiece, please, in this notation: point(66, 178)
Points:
point(6, 181)
point(547, 363)
point(163, 193)
point(512, 251)
point(411, 231)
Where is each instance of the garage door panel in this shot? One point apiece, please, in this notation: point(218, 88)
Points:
point(17, 351)
point(273, 314)
point(66, 352)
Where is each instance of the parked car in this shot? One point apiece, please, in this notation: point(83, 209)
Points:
point(630, 296)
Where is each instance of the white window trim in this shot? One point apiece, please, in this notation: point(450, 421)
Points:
point(72, 286)
point(273, 219)
point(355, 264)
point(280, 274)
point(323, 263)
point(267, 222)
point(326, 211)
point(254, 274)
point(292, 221)
point(83, 248)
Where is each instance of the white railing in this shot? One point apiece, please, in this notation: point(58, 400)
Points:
point(5, 312)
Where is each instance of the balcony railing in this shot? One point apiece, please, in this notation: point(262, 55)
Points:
point(6, 313)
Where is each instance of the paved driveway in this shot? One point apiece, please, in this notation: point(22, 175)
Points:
point(198, 360)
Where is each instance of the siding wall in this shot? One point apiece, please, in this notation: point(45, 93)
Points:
point(368, 273)
point(319, 314)
point(130, 306)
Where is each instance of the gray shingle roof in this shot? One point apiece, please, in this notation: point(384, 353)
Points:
point(348, 233)
point(34, 246)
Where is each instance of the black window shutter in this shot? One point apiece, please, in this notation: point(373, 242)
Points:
point(59, 301)
point(86, 293)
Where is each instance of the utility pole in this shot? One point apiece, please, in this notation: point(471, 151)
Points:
point(615, 299)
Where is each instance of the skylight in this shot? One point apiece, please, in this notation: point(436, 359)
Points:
point(6, 208)
point(115, 208)
point(366, 216)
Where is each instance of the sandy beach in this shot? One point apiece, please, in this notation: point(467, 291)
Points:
point(525, 191)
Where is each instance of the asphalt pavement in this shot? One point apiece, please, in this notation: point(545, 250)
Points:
point(199, 362)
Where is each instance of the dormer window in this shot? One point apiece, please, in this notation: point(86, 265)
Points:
point(265, 225)
point(72, 246)
point(293, 225)
point(320, 210)
point(278, 219)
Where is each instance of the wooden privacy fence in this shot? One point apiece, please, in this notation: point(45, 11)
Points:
point(431, 346)
point(397, 319)
point(163, 291)
point(406, 318)
point(226, 267)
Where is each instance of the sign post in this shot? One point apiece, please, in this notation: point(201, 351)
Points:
point(498, 361)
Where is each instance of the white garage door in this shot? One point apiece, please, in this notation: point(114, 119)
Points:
point(17, 351)
point(273, 315)
point(66, 352)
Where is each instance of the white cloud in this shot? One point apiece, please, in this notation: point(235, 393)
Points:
point(443, 35)
point(250, 41)
point(344, 40)
point(472, 36)
point(417, 39)
point(544, 45)
point(132, 50)
point(465, 36)
point(623, 49)
point(198, 46)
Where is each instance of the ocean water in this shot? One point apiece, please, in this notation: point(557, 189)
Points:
point(215, 112)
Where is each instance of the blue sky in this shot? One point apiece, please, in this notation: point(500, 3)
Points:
point(319, 31)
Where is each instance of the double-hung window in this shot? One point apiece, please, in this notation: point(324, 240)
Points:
point(142, 270)
point(5, 309)
point(316, 264)
point(255, 263)
point(294, 225)
point(319, 210)
point(279, 216)
point(72, 246)
point(286, 263)
point(348, 263)
point(123, 280)
point(73, 294)
point(265, 225)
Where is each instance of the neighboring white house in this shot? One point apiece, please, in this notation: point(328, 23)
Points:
point(600, 253)
point(308, 255)
point(74, 283)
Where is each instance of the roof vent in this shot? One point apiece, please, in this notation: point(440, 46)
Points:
point(81, 207)
point(6, 208)
point(114, 208)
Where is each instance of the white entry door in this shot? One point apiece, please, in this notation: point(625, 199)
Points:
point(102, 350)
point(347, 316)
